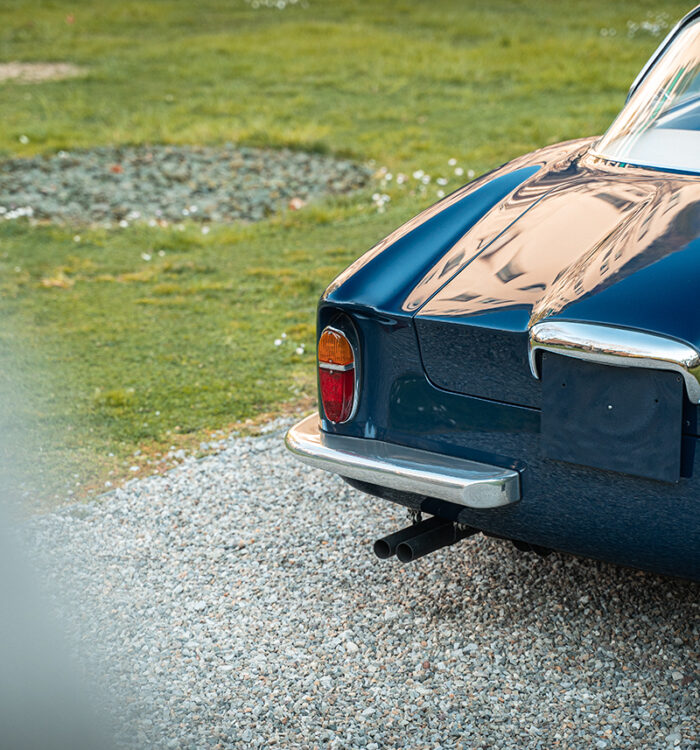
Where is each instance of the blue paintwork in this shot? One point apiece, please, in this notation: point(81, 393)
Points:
point(663, 297)
point(441, 311)
point(638, 522)
point(627, 254)
point(384, 282)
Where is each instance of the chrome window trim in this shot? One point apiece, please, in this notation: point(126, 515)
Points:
point(661, 49)
point(620, 347)
point(457, 480)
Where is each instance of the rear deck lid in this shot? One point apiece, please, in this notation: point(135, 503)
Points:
point(584, 241)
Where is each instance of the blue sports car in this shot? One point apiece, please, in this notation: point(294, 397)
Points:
point(522, 359)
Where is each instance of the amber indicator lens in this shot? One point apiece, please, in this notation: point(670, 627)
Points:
point(334, 348)
point(336, 375)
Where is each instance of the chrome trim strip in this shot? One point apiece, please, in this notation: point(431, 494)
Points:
point(335, 368)
point(661, 49)
point(620, 347)
point(456, 480)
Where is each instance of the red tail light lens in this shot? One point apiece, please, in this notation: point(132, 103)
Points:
point(337, 393)
point(336, 374)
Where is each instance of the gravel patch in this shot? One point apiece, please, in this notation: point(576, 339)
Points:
point(236, 602)
point(163, 184)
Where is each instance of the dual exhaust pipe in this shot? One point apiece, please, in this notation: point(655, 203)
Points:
point(421, 539)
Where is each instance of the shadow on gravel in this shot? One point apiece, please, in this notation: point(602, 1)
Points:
point(584, 610)
point(489, 571)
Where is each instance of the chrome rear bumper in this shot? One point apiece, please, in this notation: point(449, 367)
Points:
point(456, 480)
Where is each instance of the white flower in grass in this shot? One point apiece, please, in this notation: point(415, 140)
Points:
point(440, 193)
point(76, 238)
point(23, 140)
point(123, 223)
point(441, 181)
point(470, 174)
point(278, 342)
point(452, 162)
point(459, 171)
point(379, 199)
point(418, 174)
point(299, 350)
point(425, 179)
point(400, 179)
point(18, 212)
point(145, 256)
point(205, 229)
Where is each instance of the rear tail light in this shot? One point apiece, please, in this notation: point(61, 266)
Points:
point(336, 374)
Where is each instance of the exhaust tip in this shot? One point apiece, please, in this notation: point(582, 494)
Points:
point(382, 549)
point(385, 547)
point(404, 552)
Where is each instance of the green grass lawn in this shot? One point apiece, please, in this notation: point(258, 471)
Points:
point(127, 355)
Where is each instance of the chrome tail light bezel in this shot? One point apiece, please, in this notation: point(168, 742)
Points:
point(343, 326)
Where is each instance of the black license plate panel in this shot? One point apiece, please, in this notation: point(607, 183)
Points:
point(622, 419)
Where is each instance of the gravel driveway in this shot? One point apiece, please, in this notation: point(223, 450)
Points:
point(236, 602)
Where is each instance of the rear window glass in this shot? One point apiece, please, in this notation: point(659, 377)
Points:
point(660, 125)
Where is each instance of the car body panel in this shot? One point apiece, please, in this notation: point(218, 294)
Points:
point(384, 280)
point(442, 313)
point(602, 514)
point(619, 250)
point(384, 276)
point(576, 240)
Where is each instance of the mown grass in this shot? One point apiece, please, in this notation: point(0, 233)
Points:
point(119, 354)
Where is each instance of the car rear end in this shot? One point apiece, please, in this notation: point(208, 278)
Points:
point(452, 410)
point(481, 462)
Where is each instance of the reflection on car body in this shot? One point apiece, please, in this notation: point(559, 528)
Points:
point(526, 352)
